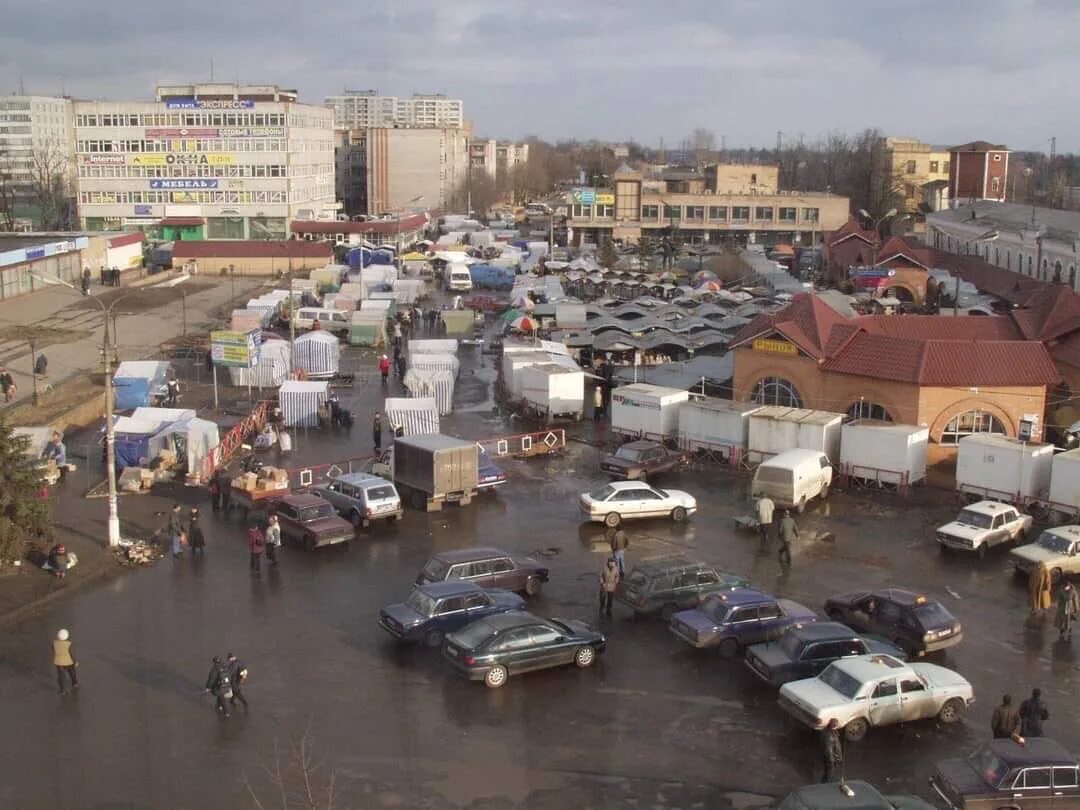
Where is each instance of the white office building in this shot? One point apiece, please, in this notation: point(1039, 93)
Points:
point(214, 161)
point(34, 130)
point(362, 109)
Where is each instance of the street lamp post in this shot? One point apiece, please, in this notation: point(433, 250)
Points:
point(877, 223)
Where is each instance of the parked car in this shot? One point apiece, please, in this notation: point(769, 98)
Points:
point(737, 619)
point(488, 476)
point(311, 521)
point(1005, 773)
point(1058, 547)
point(984, 524)
point(876, 690)
point(667, 584)
point(913, 622)
point(432, 611)
point(641, 460)
point(848, 794)
point(625, 500)
point(806, 649)
point(493, 649)
point(362, 498)
point(486, 567)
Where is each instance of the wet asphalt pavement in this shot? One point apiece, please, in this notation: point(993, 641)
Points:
point(654, 724)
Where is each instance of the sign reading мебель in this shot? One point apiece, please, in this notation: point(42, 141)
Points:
point(184, 183)
point(199, 104)
point(235, 349)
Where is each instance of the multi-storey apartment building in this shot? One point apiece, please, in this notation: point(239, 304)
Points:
point(493, 156)
point(359, 109)
point(216, 161)
point(36, 138)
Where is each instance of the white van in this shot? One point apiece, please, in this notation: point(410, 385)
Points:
point(332, 320)
point(793, 477)
point(459, 278)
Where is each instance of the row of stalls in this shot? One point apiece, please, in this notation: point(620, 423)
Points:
point(159, 443)
point(542, 376)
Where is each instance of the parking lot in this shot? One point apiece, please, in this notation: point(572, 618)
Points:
point(653, 724)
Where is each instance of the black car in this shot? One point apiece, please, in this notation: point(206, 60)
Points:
point(493, 649)
point(806, 649)
point(913, 622)
point(853, 795)
point(671, 583)
point(1005, 773)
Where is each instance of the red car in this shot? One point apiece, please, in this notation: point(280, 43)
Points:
point(486, 303)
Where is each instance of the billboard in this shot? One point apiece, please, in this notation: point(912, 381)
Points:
point(253, 132)
point(235, 349)
point(103, 160)
point(184, 159)
point(196, 183)
point(180, 132)
point(583, 196)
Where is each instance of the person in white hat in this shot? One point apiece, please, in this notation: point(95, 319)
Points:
point(64, 660)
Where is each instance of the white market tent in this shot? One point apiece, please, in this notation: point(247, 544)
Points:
point(301, 402)
point(417, 416)
point(318, 354)
point(434, 383)
point(435, 362)
point(191, 439)
point(433, 346)
point(271, 370)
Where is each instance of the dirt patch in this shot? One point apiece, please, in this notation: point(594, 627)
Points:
point(41, 335)
point(55, 402)
point(144, 298)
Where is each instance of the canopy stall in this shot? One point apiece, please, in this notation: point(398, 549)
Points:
point(191, 439)
point(138, 383)
point(271, 370)
point(416, 416)
point(318, 354)
point(301, 402)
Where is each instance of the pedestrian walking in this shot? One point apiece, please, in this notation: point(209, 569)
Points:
point(176, 531)
point(832, 750)
point(256, 545)
point(172, 388)
point(64, 661)
point(7, 384)
point(1068, 607)
point(219, 684)
point(400, 363)
point(273, 539)
point(1005, 721)
point(1039, 584)
point(619, 543)
point(598, 403)
point(1033, 714)
point(237, 675)
point(225, 490)
point(85, 281)
point(609, 582)
point(376, 431)
point(384, 368)
point(214, 487)
point(195, 536)
point(789, 533)
point(765, 509)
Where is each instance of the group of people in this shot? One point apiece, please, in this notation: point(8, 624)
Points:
point(108, 276)
point(183, 534)
point(1066, 603)
point(224, 683)
point(1008, 722)
point(614, 570)
point(264, 542)
point(787, 531)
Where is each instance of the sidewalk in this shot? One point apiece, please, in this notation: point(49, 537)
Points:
point(68, 327)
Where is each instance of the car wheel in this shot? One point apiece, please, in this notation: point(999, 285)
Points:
point(952, 711)
point(800, 507)
point(434, 637)
point(496, 676)
point(585, 657)
point(678, 514)
point(356, 519)
point(856, 729)
point(729, 648)
point(668, 610)
point(532, 586)
point(612, 519)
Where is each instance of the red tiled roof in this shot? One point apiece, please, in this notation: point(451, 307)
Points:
point(251, 249)
point(1051, 312)
point(1067, 351)
point(126, 239)
point(806, 322)
point(938, 327)
point(878, 356)
point(392, 226)
point(898, 247)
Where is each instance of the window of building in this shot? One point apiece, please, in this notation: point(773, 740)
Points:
point(810, 214)
point(933, 167)
point(967, 424)
point(579, 211)
point(753, 178)
point(997, 256)
point(945, 167)
point(1008, 260)
point(777, 391)
point(997, 158)
point(868, 410)
point(1072, 276)
point(910, 168)
point(763, 213)
point(605, 211)
point(788, 215)
point(718, 213)
point(1029, 265)
point(740, 213)
point(672, 212)
point(695, 213)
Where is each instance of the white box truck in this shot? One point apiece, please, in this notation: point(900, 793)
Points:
point(1065, 484)
point(716, 425)
point(999, 468)
point(553, 391)
point(883, 452)
point(647, 411)
point(775, 429)
point(512, 364)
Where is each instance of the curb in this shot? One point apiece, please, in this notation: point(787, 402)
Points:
point(77, 585)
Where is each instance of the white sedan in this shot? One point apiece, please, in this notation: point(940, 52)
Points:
point(624, 500)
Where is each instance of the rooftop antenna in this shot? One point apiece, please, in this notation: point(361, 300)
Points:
point(22, 87)
point(211, 70)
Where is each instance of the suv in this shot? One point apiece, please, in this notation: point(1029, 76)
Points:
point(311, 521)
point(638, 461)
point(486, 567)
point(914, 623)
point(737, 618)
point(362, 498)
point(672, 583)
point(1058, 547)
point(984, 524)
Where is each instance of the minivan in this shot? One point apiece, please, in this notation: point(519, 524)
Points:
point(332, 320)
point(459, 278)
point(793, 477)
point(362, 498)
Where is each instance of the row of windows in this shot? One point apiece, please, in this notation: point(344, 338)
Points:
point(911, 167)
point(204, 197)
point(1055, 271)
point(701, 213)
point(135, 172)
point(186, 145)
point(185, 119)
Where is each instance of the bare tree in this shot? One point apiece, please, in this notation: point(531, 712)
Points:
point(293, 779)
point(478, 190)
point(49, 183)
point(703, 142)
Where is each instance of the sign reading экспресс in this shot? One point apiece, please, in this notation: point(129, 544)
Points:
point(199, 104)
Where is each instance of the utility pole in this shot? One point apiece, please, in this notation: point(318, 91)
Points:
point(1053, 148)
point(110, 440)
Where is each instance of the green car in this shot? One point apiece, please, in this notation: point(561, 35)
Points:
point(668, 584)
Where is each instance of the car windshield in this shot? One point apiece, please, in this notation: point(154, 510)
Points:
point(932, 615)
point(435, 570)
point(973, 518)
point(791, 645)
point(716, 609)
point(602, 494)
point(1054, 543)
point(629, 453)
point(473, 635)
point(380, 493)
point(989, 766)
point(310, 513)
point(421, 603)
point(840, 681)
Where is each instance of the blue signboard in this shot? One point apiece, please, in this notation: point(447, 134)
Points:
point(584, 196)
point(35, 253)
point(184, 184)
point(200, 104)
point(144, 210)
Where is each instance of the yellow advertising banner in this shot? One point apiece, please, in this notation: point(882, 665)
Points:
point(184, 159)
point(147, 160)
point(774, 346)
point(605, 199)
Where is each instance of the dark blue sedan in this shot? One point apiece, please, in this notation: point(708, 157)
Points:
point(488, 476)
point(434, 610)
point(736, 619)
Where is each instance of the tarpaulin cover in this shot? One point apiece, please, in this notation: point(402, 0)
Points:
point(191, 439)
point(435, 362)
point(271, 370)
point(137, 381)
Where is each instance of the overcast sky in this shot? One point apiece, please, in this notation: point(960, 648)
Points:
point(946, 71)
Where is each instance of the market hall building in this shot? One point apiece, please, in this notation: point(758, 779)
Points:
point(954, 375)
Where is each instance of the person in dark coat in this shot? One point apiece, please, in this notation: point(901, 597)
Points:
point(619, 543)
point(789, 533)
point(400, 365)
point(1033, 714)
point(237, 675)
point(1005, 722)
point(195, 533)
point(376, 431)
point(224, 489)
point(219, 684)
point(256, 545)
point(832, 751)
point(1068, 608)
